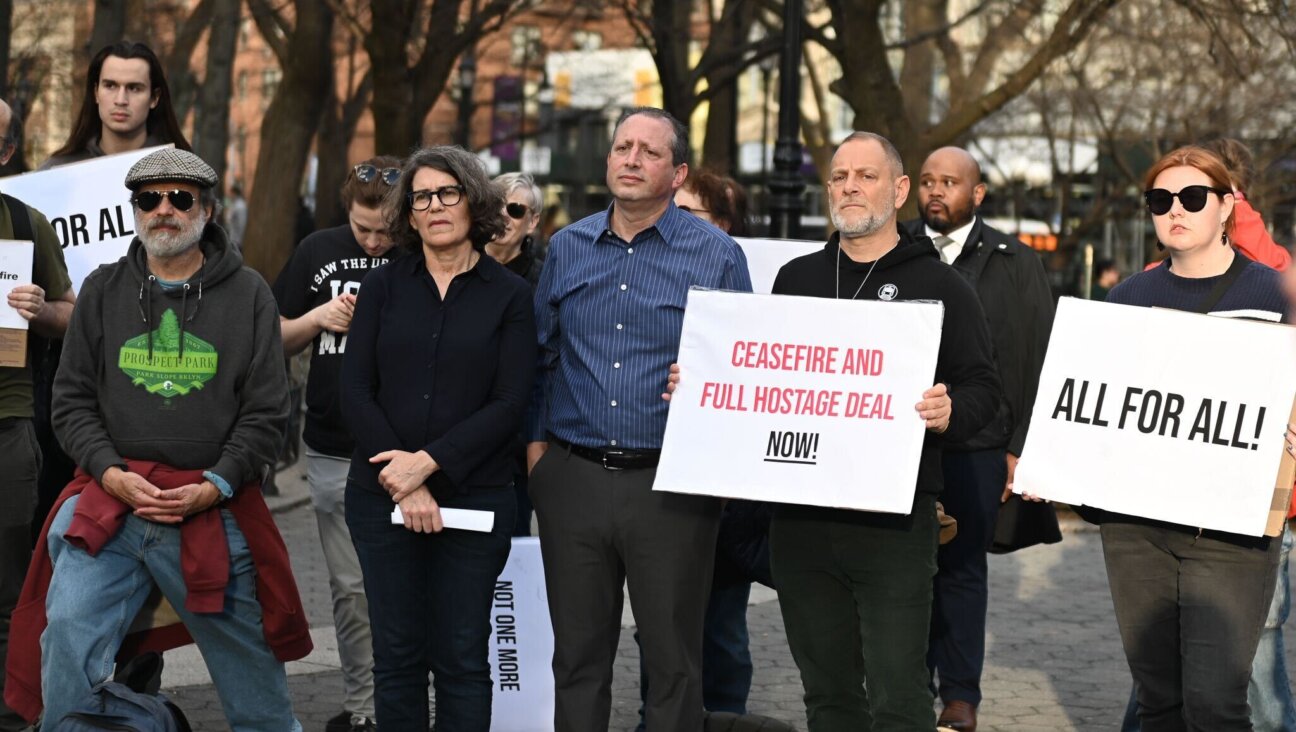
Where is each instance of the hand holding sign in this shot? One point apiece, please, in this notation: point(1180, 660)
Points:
point(935, 408)
point(28, 300)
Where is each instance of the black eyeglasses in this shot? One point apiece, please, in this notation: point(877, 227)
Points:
point(149, 200)
point(515, 210)
point(1193, 198)
point(448, 195)
point(365, 173)
point(694, 211)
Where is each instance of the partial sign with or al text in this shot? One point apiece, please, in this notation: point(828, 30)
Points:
point(1162, 414)
point(88, 205)
point(800, 400)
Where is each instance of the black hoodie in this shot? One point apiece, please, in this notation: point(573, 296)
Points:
point(192, 376)
point(913, 271)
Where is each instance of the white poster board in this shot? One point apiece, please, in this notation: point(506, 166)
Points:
point(521, 644)
point(766, 256)
point(1161, 414)
point(88, 205)
point(16, 261)
point(800, 400)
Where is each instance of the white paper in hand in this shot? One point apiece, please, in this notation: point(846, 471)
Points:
point(458, 518)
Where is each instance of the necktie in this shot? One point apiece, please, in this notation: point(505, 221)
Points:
point(943, 241)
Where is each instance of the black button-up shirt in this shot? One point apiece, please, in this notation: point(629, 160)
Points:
point(451, 376)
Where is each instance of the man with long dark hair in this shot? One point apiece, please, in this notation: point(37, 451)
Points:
point(127, 106)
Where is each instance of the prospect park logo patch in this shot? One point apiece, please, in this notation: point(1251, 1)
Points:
point(167, 374)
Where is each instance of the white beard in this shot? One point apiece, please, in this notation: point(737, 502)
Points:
point(166, 244)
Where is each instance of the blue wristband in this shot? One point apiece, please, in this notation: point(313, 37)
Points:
point(221, 484)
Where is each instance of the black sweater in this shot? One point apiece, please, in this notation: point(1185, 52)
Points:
point(913, 271)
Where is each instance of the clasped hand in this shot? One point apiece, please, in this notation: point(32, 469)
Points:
point(163, 506)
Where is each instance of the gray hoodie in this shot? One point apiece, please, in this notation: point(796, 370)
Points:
point(192, 377)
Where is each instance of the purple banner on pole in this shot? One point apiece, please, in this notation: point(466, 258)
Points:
point(506, 118)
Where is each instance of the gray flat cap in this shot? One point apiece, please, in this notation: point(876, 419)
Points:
point(170, 165)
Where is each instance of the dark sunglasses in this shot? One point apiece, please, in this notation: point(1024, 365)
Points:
point(1193, 198)
point(149, 200)
point(694, 211)
point(365, 173)
point(516, 210)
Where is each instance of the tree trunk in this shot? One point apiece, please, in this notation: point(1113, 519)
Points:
point(184, 87)
point(916, 75)
point(211, 123)
point(720, 146)
point(6, 30)
point(397, 126)
point(286, 135)
point(109, 24)
point(670, 31)
point(337, 127)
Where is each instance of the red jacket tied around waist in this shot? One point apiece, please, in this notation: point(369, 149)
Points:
point(204, 561)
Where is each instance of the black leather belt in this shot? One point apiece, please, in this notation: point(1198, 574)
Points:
point(8, 422)
point(612, 458)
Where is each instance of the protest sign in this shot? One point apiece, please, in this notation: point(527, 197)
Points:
point(88, 205)
point(800, 400)
point(1162, 414)
point(521, 644)
point(766, 256)
point(15, 269)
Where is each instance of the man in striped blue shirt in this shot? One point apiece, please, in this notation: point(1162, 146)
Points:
point(609, 308)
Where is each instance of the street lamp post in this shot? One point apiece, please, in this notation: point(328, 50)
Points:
point(467, 78)
point(767, 69)
point(785, 184)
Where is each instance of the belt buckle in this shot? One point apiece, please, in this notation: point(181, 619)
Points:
point(614, 454)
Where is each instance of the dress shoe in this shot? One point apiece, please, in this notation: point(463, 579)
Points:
point(957, 716)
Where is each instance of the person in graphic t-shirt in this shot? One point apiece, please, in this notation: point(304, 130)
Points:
point(317, 295)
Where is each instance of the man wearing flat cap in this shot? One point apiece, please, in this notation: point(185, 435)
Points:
point(171, 398)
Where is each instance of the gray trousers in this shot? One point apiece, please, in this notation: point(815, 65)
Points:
point(20, 460)
point(327, 477)
point(600, 529)
point(1190, 608)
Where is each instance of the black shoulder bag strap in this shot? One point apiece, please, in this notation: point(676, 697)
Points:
point(22, 223)
point(1225, 282)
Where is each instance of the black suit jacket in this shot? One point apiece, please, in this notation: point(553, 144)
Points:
point(1009, 279)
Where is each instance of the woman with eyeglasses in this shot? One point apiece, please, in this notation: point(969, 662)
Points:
point(718, 199)
point(1191, 603)
point(438, 368)
point(516, 248)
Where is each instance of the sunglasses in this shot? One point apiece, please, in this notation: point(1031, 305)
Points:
point(516, 210)
point(149, 200)
point(365, 173)
point(1193, 198)
point(448, 195)
point(694, 211)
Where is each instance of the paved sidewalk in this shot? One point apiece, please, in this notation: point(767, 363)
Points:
point(1054, 658)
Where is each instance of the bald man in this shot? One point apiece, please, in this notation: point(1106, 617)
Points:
point(46, 303)
point(1009, 279)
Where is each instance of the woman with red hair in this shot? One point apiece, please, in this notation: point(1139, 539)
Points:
point(1191, 603)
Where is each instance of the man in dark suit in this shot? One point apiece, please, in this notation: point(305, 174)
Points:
point(1009, 280)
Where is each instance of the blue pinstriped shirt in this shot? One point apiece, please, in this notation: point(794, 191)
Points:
point(609, 314)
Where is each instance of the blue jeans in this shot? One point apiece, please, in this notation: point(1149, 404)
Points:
point(92, 601)
point(429, 605)
point(1269, 692)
